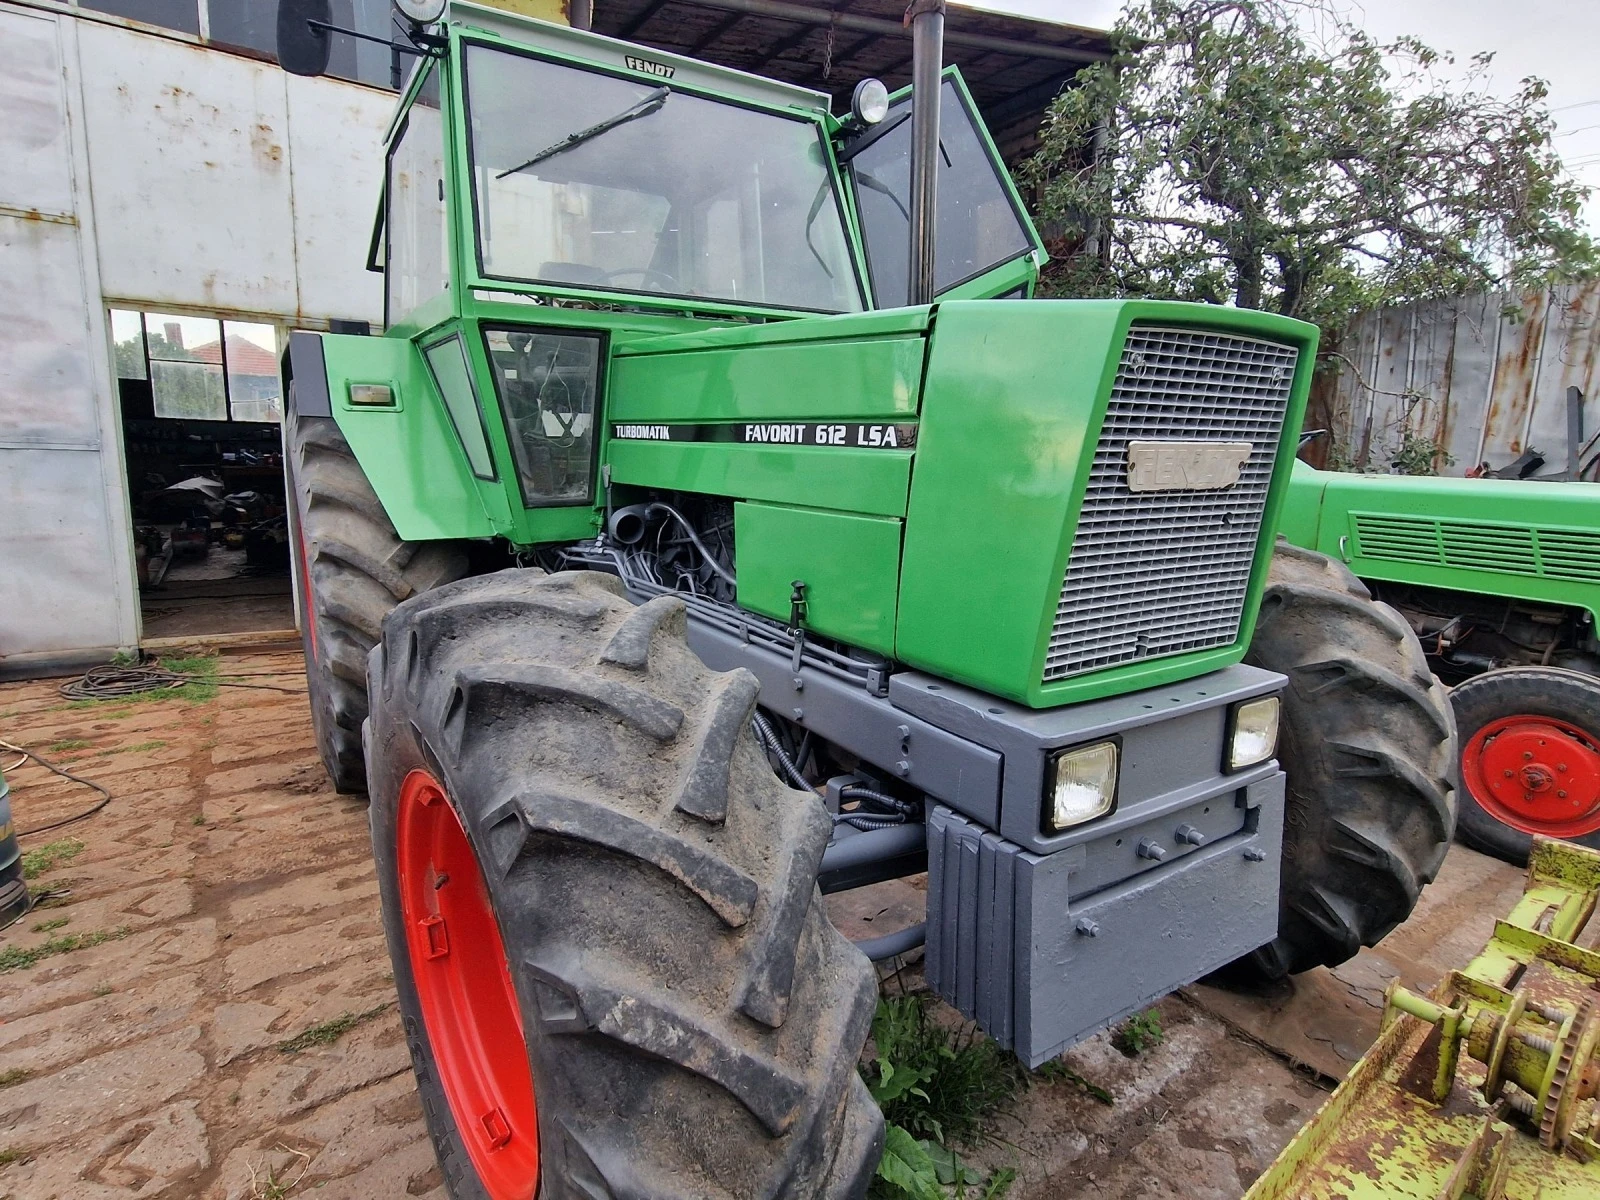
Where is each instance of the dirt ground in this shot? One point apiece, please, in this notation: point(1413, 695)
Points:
point(203, 1006)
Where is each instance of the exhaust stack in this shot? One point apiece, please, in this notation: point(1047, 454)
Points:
point(927, 60)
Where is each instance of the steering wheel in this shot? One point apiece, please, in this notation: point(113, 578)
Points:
point(645, 273)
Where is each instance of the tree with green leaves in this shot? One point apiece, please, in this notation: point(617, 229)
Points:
point(1268, 154)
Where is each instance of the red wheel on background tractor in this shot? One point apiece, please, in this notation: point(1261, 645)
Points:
point(615, 973)
point(1530, 758)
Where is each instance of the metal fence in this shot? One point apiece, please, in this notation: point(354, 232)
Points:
point(1482, 378)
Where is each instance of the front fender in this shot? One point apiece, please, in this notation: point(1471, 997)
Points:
point(409, 450)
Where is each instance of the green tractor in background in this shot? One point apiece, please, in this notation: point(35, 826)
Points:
point(705, 535)
point(1501, 578)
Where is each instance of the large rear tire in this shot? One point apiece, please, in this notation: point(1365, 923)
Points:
point(684, 1018)
point(352, 568)
point(1530, 758)
point(1368, 745)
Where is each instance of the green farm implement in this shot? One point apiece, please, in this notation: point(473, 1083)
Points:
point(1501, 579)
point(1485, 1089)
point(704, 535)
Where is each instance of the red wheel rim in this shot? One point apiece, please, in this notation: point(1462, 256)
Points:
point(464, 988)
point(1536, 774)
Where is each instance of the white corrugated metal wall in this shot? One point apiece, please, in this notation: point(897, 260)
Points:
point(145, 171)
point(1484, 376)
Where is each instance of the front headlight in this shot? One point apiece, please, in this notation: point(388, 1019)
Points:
point(1254, 736)
point(1081, 784)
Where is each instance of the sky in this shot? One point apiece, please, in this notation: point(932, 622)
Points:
point(1557, 40)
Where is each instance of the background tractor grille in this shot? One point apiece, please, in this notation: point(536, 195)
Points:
point(1154, 573)
point(1540, 551)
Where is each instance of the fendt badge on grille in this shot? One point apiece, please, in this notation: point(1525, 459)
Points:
point(1185, 466)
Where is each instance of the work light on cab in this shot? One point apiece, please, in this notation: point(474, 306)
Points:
point(421, 12)
point(869, 103)
point(1254, 736)
point(1083, 784)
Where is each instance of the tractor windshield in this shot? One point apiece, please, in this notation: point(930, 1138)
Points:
point(589, 180)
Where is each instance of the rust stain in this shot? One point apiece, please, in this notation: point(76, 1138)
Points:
point(268, 151)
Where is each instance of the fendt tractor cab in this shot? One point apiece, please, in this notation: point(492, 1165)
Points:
point(704, 534)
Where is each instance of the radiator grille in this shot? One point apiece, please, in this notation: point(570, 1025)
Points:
point(1156, 573)
point(1537, 551)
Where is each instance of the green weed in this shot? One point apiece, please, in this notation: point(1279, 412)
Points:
point(16, 958)
point(7, 1157)
point(136, 748)
point(48, 926)
point(329, 1032)
point(197, 819)
point(48, 857)
point(1138, 1034)
point(200, 688)
point(69, 744)
point(933, 1081)
point(1057, 1071)
point(14, 1076)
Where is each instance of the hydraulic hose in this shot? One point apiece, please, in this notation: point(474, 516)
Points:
point(694, 537)
point(769, 742)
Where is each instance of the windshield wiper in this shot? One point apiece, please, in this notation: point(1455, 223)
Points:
point(644, 108)
point(873, 183)
point(811, 218)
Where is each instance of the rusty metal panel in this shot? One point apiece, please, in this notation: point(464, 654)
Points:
point(1476, 326)
point(187, 155)
point(336, 155)
point(1571, 347)
point(1484, 376)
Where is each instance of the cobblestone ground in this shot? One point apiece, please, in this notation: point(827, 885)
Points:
point(235, 895)
point(203, 1006)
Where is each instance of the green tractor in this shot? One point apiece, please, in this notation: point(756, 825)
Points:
point(1501, 579)
point(704, 535)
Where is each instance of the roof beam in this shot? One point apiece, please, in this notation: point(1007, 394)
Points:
point(779, 49)
point(717, 30)
point(643, 19)
point(783, 11)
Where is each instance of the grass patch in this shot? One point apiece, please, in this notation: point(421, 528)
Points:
point(1139, 1033)
point(329, 1032)
point(48, 857)
point(197, 690)
point(197, 819)
point(17, 958)
point(50, 926)
point(115, 714)
point(136, 748)
point(1056, 1071)
point(14, 1076)
point(69, 744)
point(7, 1157)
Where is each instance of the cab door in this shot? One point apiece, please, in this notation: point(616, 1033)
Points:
point(986, 245)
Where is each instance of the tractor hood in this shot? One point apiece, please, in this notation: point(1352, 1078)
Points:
point(1048, 500)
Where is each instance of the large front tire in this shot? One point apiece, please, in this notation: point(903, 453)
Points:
point(352, 568)
point(687, 1020)
point(1368, 746)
